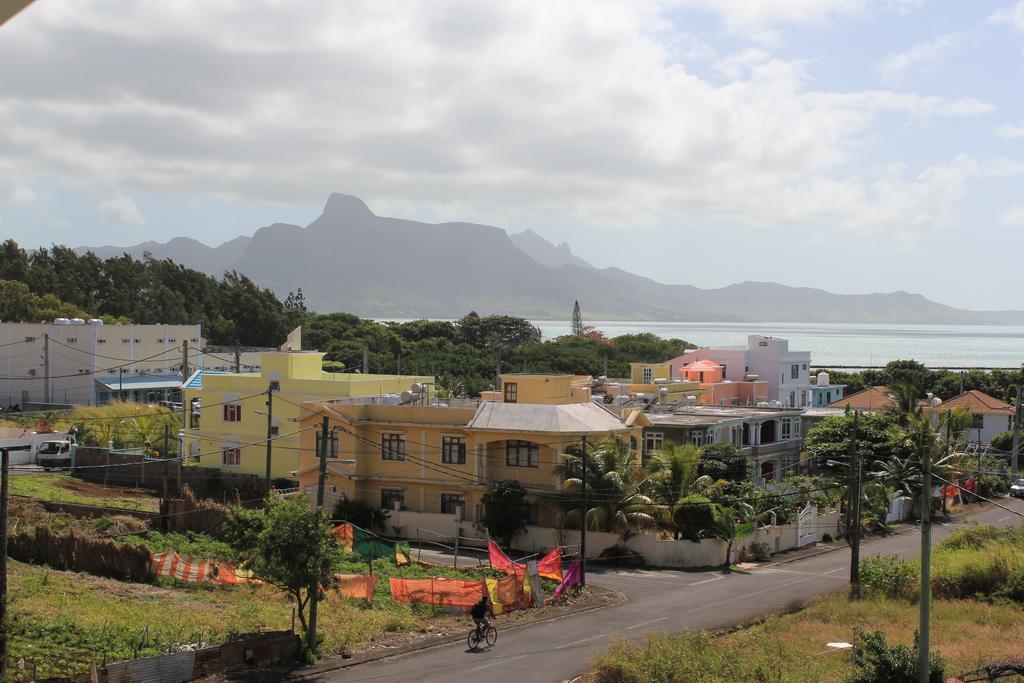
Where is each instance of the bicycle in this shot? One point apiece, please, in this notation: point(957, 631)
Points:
point(480, 634)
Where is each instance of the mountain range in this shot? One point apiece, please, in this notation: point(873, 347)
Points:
point(350, 259)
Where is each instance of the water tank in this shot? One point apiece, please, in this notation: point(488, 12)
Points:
point(95, 321)
point(663, 391)
point(597, 399)
point(61, 321)
point(936, 401)
point(621, 400)
point(407, 397)
point(77, 321)
point(640, 396)
point(418, 388)
point(390, 399)
point(823, 379)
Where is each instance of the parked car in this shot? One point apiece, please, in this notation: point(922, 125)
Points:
point(1017, 489)
point(54, 453)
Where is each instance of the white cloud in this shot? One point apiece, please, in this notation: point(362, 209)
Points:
point(466, 110)
point(1012, 15)
point(123, 209)
point(16, 193)
point(921, 58)
point(1009, 131)
point(1012, 218)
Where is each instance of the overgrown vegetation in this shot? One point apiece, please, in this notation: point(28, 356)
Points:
point(190, 544)
point(791, 647)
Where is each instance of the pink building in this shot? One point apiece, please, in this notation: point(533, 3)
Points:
point(722, 391)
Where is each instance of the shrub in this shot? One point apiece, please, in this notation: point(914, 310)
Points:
point(972, 536)
point(878, 662)
point(360, 513)
point(890, 576)
point(505, 511)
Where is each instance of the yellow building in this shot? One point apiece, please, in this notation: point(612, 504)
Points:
point(548, 389)
point(230, 429)
point(440, 458)
point(656, 380)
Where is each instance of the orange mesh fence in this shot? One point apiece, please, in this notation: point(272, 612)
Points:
point(359, 586)
point(195, 570)
point(510, 593)
point(549, 566)
point(439, 591)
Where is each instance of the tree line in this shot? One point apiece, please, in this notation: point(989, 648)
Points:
point(943, 383)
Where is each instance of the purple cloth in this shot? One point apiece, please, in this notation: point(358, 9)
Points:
point(571, 578)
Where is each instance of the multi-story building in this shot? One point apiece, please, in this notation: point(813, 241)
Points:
point(824, 392)
point(440, 456)
point(86, 362)
point(229, 423)
point(771, 437)
point(989, 415)
point(786, 373)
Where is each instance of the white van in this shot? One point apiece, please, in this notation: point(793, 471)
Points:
point(54, 453)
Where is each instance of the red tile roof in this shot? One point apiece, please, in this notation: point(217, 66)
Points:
point(978, 402)
point(872, 398)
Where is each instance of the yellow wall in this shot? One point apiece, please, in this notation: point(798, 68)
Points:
point(301, 379)
point(546, 389)
point(658, 371)
point(423, 476)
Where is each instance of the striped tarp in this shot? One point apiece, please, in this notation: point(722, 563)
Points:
point(187, 569)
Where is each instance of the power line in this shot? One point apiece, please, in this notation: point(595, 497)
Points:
point(90, 372)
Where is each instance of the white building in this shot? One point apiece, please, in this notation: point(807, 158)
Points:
point(786, 372)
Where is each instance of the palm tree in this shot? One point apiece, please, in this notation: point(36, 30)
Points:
point(906, 404)
point(617, 490)
point(673, 471)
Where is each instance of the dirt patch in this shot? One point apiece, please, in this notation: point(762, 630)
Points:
point(25, 514)
point(86, 488)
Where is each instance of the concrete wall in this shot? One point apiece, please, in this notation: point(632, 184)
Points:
point(656, 552)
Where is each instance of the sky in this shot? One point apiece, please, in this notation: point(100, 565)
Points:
point(851, 145)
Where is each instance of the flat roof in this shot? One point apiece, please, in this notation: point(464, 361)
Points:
point(562, 418)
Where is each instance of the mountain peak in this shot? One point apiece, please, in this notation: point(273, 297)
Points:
point(346, 206)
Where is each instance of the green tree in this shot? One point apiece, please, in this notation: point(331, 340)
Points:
point(618, 497)
point(505, 512)
point(695, 517)
point(577, 320)
point(879, 438)
point(289, 546)
point(724, 461)
point(673, 471)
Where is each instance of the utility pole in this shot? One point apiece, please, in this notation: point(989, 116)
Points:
point(46, 368)
point(270, 430)
point(314, 586)
point(366, 359)
point(926, 559)
point(853, 511)
point(1015, 455)
point(185, 408)
point(4, 461)
point(583, 518)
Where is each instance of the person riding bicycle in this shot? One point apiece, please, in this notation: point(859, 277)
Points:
point(479, 612)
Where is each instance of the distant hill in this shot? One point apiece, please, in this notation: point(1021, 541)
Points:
point(350, 259)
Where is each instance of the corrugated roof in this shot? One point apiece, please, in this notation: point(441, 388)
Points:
point(135, 382)
point(196, 380)
point(566, 418)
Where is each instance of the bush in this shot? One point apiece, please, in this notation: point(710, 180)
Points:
point(359, 513)
point(972, 536)
point(890, 576)
point(878, 662)
point(756, 552)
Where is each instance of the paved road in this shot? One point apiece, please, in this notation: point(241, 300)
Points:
point(561, 649)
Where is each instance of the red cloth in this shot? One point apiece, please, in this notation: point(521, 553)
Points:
point(360, 586)
point(438, 591)
point(345, 535)
point(549, 566)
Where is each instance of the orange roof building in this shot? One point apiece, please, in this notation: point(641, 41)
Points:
point(989, 415)
point(875, 398)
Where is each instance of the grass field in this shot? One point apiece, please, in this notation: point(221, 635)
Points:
point(62, 621)
point(791, 647)
point(62, 488)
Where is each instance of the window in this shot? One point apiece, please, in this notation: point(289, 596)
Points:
point(72, 340)
point(160, 341)
point(652, 443)
point(796, 428)
point(194, 340)
point(231, 456)
point(511, 392)
point(138, 341)
point(804, 366)
point(794, 372)
point(101, 341)
point(275, 430)
point(233, 412)
point(332, 444)
point(451, 501)
point(768, 471)
point(792, 399)
point(126, 340)
point(786, 430)
point(803, 398)
point(648, 374)
point(522, 454)
point(171, 340)
point(702, 437)
point(532, 513)
point(453, 450)
point(392, 446)
point(30, 339)
point(389, 497)
point(762, 343)
point(977, 421)
point(275, 386)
